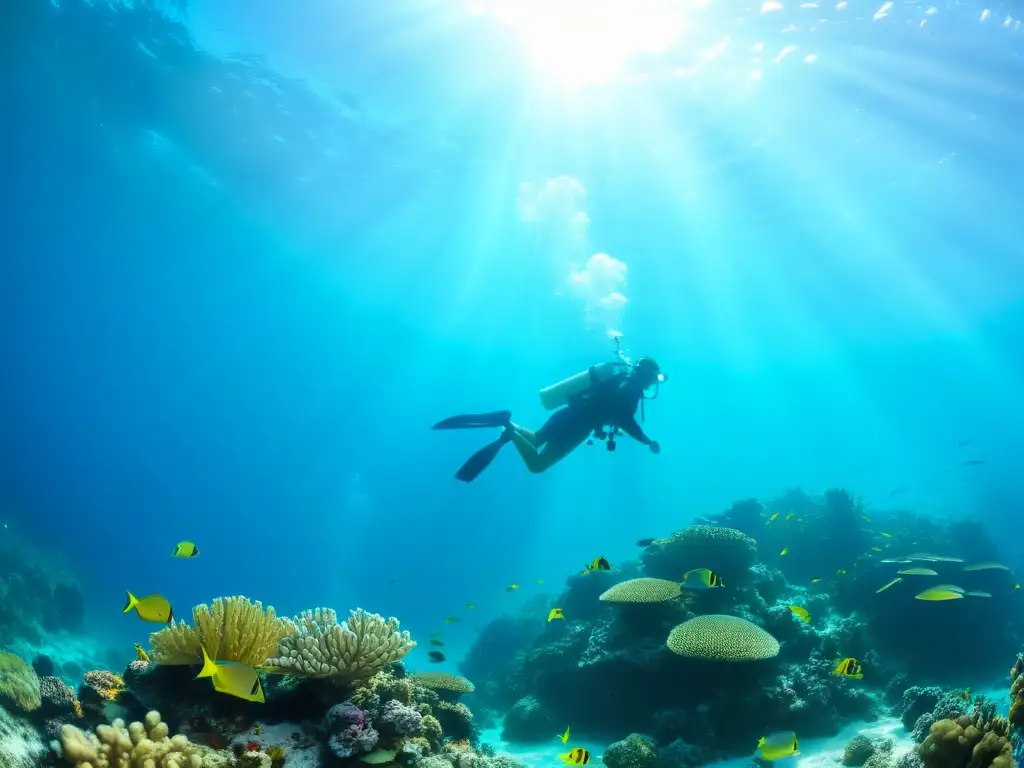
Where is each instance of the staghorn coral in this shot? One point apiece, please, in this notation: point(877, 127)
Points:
point(643, 590)
point(138, 745)
point(319, 646)
point(442, 681)
point(232, 629)
point(19, 684)
point(722, 638)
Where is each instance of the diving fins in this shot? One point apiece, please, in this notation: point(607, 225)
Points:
point(476, 421)
point(480, 460)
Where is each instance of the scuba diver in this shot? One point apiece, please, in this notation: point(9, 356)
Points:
point(600, 402)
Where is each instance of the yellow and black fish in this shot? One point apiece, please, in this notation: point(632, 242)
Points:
point(577, 756)
point(185, 549)
point(772, 518)
point(565, 736)
point(555, 613)
point(436, 657)
point(701, 578)
point(232, 678)
point(800, 613)
point(599, 564)
point(848, 667)
point(140, 653)
point(777, 746)
point(153, 608)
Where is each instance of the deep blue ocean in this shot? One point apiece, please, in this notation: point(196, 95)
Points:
point(252, 252)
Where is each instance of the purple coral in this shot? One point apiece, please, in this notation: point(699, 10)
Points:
point(349, 730)
point(402, 718)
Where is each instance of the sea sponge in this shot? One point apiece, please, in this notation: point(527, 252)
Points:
point(233, 629)
point(726, 551)
point(722, 638)
point(138, 745)
point(442, 681)
point(642, 590)
point(19, 684)
point(634, 751)
point(321, 647)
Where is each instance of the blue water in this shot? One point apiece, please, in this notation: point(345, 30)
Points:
point(251, 254)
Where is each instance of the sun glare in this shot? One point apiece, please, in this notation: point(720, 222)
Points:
point(579, 42)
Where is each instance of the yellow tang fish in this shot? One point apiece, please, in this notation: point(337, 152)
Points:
point(841, 572)
point(565, 736)
point(772, 518)
point(886, 535)
point(452, 620)
point(784, 552)
point(800, 613)
point(540, 581)
point(470, 606)
point(701, 578)
point(848, 667)
point(232, 678)
point(777, 746)
point(577, 756)
point(789, 516)
point(935, 595)
point(885, 586)
point(511, 587)
point(185, 549)
point(815, 580)
point(555, 613)
point(150, 608)
point(140, 653)
point(1015, 587)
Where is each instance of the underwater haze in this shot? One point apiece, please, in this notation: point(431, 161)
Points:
point(254, 251)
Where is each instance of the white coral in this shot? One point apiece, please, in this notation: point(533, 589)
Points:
point(138, 745)
point(320, 646)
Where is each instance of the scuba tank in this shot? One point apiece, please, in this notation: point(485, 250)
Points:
point(557, 395)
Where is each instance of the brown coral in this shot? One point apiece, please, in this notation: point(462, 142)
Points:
point(970, 741)
point(19, 684)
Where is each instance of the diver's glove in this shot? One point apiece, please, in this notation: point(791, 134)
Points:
point(654, 446)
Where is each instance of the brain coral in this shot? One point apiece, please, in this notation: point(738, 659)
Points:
point(722, 638)
point(728, 552)
point(642, 591)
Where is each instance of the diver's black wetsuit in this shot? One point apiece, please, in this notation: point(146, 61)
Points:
point(609, 403)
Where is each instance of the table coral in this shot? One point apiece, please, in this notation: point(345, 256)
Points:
point(726, 551)
point(722, 638)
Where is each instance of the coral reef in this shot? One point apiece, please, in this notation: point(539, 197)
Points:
point(726, 551)
point(19, 684)
point(722, 638)
point(319, 646)
point(634, 751)
point(977, 740)
point(349, 730)
point(137, 745)
point(232, 629)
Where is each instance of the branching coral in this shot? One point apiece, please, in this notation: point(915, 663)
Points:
point(138, 745)
point(232, 629)
point(320, 646)
point(19, 684)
